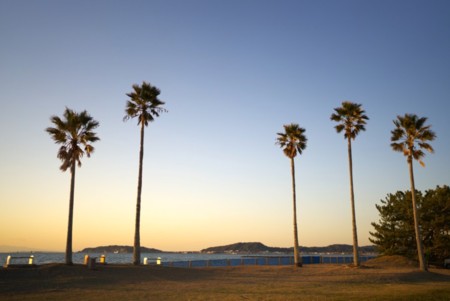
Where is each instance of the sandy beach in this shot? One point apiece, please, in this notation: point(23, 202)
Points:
point(379, 279)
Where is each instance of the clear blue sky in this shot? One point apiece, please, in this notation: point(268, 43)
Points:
point(231, 74)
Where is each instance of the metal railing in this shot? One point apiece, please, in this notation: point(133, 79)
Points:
point(264, 260)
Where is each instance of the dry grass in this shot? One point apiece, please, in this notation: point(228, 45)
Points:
point(381, 279)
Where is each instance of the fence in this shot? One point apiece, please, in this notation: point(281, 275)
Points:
point(264, 260)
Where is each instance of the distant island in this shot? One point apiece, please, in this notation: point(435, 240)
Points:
point(118, 249)
point(241, 248)
point(257, 248)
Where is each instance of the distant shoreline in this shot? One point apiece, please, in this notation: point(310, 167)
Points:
point(237, 249)
point(240, 248)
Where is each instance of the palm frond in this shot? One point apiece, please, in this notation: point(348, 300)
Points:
point(426, 146)
point(398, 133)
point(339, 128)
point(418, 154)
point(397, 147)
point(89, 149)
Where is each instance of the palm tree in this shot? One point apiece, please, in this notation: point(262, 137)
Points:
point(145, 106)
point(351, 119)
point(73, 132)
point(410, 136)
point(293, 141)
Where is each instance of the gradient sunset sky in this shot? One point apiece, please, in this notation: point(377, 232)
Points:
point(231, 74)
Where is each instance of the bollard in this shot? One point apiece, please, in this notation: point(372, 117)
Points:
point(86, 259)
point(91, 264)
point(158, 260)
point(102, 259)
point(8, 260)
point(30, 260)
point(145, 261)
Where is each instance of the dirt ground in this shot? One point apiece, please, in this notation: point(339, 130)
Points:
point(388, 278)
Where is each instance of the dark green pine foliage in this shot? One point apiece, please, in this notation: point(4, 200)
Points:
point(435, 219)
point(394, 233)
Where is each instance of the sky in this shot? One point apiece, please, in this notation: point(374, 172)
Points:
point(231, 74)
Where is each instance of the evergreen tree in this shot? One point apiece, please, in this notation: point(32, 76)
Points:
point(435, 222)
point(394, 233)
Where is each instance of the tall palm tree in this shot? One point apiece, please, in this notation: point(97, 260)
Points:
point(145, 106)
point(410, 136)
point(75, 134)
point(293, 141)
point(351, 119)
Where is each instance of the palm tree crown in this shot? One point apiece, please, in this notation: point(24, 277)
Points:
point(144, 103)
point(351, 118)
point(75, 131)
point(410, 136)
point(293, 140)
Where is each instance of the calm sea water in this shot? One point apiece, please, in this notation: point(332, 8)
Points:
point(43, 258)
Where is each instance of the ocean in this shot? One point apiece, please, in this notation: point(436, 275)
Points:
point(182, 259)
point(122, 258)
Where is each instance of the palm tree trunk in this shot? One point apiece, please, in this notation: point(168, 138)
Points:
point(137, 239)
point(70, 223)
point(422, 265)
point(352, 199)
point(297, 259)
